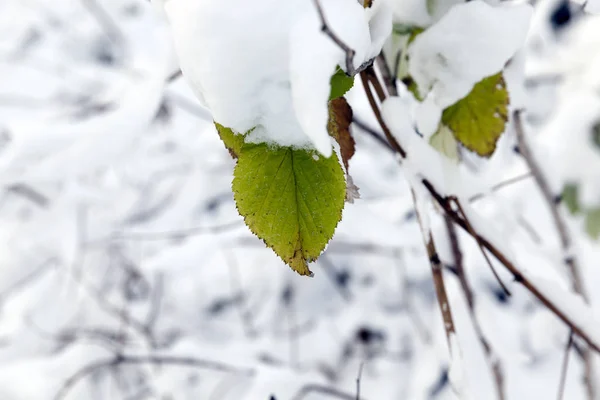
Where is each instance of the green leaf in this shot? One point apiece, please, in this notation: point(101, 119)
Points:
point(340, 84)
point(570, 198)
point(291, 199)
point(592, 223)
point(233, 142)
point(444, 142)
point(479, 119)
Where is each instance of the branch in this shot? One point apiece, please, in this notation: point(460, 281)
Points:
point(561, 227)
point(145, 359)
point(350, 53)
point(491, 358)
point(312, 388)
point(566, 241)
point(565, 366)
point(371, 78)
point(512, 268)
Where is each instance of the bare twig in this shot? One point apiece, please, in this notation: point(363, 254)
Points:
point(29, 193)
point(328, 391)
point(487, 259)
point(456, 218)
point(500, 185)
point(566, 242)
point(373, 133)
point(145, 359)
point(358, 378)
point(177, 234)
point(491, 357)
point(388, 78)
point(513, 269)
point(561, 227)
point(173, 76)
point(350, 53)
point(564, 368)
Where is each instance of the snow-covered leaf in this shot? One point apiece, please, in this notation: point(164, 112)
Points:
point(478, 120)
point(470, 42)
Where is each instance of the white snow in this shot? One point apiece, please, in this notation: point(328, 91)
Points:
point(467, 44)
point(268, 66)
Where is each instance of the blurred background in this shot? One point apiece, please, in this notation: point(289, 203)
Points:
point(126, 272)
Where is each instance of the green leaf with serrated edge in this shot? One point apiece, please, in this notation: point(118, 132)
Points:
point(340, 84)
point(479, 119)
point(570, 198)
point(232, 141)
point(291, 199)
point(445, 142)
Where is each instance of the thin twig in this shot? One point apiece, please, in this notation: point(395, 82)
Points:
point(512, 268)
point(438, 277)
point(560, 224)
point(145, 359)
point(358, 378)
point(386, 74)
point(500, 185)
point(565, 366)
point(366, 81)
point(566, 242)
point(487, 259)
point(491, 358)
point(339, 42)
point(444, 203)
point(372, 132)
point(328, 391)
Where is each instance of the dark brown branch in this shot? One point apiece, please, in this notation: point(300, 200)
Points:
point(388, 135)
point(519, 277)
point(444, 203)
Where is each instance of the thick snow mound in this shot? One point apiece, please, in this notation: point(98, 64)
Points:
point(268, 66)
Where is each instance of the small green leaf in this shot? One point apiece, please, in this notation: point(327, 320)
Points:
point(592, 223)
point(232, 141)
point(291, 199)
point(340, 84)
point(591, 215)
point(444, 142)
point(570, 198)
point(414, 33)
point(479, 119)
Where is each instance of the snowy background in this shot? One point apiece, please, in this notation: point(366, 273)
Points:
point(126, 272)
